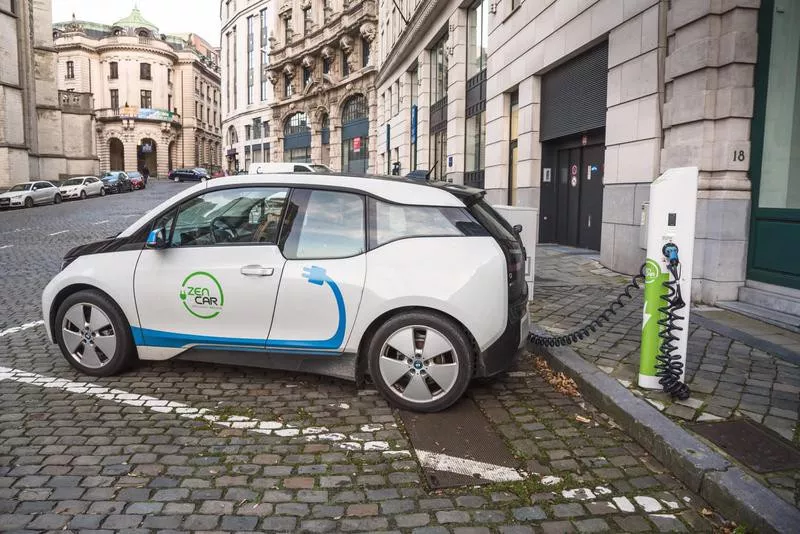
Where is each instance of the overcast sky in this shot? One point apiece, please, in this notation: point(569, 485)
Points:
point(171, 16)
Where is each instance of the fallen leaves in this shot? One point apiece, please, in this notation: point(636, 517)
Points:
point(582, 419)
point(560, 382)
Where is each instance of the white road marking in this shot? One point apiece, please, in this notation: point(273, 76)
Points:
point(15, 329)
point(648, 504)
point(463, 466)
point(57, 233)
point(314, 433)
point(101, 222)
point(6, 246)
point(624, 504)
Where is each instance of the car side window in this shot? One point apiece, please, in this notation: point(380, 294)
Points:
point(300, 168)
point(323, 225)
point(390, 222)
point(230, 216)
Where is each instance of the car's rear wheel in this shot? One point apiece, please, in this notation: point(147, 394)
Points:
point(29, 202)
point(420, 361)
point(57, 199)
point(83, 195)
point(93, 334)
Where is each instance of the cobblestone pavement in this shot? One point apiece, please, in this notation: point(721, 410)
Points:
point(176, 446)
point(728, 379)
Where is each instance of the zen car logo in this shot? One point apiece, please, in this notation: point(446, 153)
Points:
point(202, 295)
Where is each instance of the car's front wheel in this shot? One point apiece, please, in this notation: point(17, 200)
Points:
point(57, 199)
point(420, 361)
point(103, 192)
point(29, 202)
point(93, 334)
point(83, 195)
point(177, 179)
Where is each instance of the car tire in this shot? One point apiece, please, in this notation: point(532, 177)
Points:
point(103, 192)
point(57, 199)
point(29, 202)
point(117, 350)
point(203, 179)
point(83, 195)
point(408, 380)
point(177, 179)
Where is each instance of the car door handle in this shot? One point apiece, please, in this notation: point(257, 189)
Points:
point(256, 270)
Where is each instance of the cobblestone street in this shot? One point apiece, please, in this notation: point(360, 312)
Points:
point(176, 446)
point(729, 378)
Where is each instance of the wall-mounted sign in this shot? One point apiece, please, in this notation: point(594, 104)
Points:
point(413, 124)
point(146, 113)
point(584, 140)
point(573, 170)
point(573, 181)
point(449, 161)
point(357, 144)
point(547, 175)
point(147, 148)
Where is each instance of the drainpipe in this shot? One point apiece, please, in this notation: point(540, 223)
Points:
point(663, 7)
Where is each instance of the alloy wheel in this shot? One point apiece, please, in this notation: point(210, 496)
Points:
point(88, 335)
point(419, 364)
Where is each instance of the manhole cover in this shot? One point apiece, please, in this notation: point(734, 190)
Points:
point(752, 444)
point(459, 447)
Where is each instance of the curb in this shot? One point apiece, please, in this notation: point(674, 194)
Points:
point(727, 488)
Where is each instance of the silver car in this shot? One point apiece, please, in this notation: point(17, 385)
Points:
point(29, 194)
point(82, 187)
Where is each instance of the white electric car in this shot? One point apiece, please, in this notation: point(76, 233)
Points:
point(419, 286)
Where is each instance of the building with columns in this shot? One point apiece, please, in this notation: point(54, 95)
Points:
point(45, 134)
point(576, 107)
point(246, 91)
point(322, 56)
point(156, 97)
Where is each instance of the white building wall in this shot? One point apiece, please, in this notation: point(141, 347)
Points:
point(236, 112)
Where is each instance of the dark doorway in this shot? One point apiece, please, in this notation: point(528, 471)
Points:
point(572, 191)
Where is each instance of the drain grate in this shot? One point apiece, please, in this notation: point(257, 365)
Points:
point(754, 445)
point(459, 447)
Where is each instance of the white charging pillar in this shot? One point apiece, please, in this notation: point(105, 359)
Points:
point(670, 219)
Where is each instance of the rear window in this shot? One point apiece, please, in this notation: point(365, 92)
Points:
point(390, 222)
point(492, 221)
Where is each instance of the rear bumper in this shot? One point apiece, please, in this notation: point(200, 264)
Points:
point(500, 356)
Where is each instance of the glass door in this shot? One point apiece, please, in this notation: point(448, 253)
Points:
point(775, 165)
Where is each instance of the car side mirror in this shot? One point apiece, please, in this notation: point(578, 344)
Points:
point(156, 239)
point(517, 229)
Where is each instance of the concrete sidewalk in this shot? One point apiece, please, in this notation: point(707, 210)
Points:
point(737, 367)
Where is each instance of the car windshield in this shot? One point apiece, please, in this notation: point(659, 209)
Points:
point(73, 181)
point(110, 176)
point(21, 187)
point(320, 168)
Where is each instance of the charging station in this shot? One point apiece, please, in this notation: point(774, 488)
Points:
point(528, 218)
point(667, 297)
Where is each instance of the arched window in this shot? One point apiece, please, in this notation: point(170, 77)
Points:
point(355, 135)
point(355, 109)
point(296, 124)
point(297, 138)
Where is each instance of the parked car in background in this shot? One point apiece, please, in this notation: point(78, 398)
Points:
point(30, 193)
point(197, 174)
point(137, 180)
point(281, 166)
point(81, 187)
point(116, 182)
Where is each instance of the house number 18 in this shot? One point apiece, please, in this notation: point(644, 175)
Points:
point(738, 155)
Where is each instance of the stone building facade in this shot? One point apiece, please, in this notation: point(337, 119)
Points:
point(246, 91)
point(44, 134)
point(576, 107)
point(322, 57)
point(157, 97)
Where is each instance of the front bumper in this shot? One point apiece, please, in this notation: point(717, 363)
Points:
point(12, 202)
point(501, 354)
point(69, 194)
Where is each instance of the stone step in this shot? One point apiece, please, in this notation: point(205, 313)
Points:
point(782, 320)
point(771, 299)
